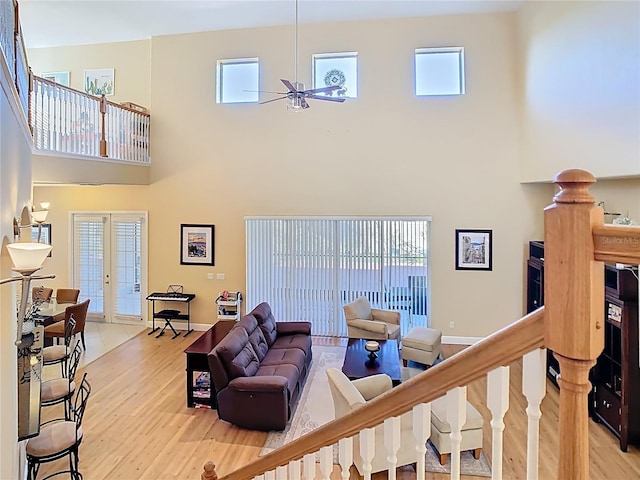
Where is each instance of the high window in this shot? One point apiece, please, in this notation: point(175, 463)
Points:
point(336, 69)
point(237, 81)
point(439, 71)
point(308, 268)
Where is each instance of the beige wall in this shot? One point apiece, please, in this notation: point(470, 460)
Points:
point(386, 153)
point(15, 194)
point(580, 70)
point(129, 59)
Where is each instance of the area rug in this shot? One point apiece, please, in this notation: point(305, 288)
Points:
point(315, 408)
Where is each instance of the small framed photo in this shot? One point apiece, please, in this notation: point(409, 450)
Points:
point(196, 244)
point(100, 82)
point(45, 234)
point(473, 249)
point(61, 78)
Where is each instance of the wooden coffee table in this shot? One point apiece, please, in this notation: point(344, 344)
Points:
point(357, 365)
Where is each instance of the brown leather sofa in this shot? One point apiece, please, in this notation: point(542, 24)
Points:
point(258, 370)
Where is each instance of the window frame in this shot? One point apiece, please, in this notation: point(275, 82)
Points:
point(220, 64)
point(435, 51)
point(334, 55)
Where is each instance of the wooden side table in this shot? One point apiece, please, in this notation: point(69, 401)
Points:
point(197, 361)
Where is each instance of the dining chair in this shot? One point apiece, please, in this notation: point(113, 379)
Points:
point(60, 439)
point(67, 295)
point(42, 294)
point(79, 312)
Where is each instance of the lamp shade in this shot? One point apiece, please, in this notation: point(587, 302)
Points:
point(28, 256)
point(39, 216)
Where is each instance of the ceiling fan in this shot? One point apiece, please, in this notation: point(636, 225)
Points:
point(296, 94)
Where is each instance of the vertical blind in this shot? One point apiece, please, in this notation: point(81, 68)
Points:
point(308, 268)
point(126, 244)
point(88, 255)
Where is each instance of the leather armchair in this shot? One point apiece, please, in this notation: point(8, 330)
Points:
point(371, 323)
point(349, 395)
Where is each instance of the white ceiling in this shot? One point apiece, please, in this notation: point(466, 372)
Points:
point(49, 23)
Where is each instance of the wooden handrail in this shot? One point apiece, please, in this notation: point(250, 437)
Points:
point(501, 348)
point(617, 244)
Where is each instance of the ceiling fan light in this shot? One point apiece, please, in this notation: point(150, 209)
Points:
point(295, 104)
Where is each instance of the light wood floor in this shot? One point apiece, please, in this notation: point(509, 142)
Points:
point(137, 426)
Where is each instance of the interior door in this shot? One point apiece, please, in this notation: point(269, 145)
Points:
point(109, 264)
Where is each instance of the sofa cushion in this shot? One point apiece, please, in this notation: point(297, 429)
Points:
point(283, 356)
point(359, 308)
point(303, 342)
point(287, 371)
point(237, 354)
point(256, 337)
point(266, 321)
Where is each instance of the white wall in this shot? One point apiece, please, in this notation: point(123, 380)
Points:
point(15, 193)
point(580, 72)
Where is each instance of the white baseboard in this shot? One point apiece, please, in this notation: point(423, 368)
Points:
point(460, 340)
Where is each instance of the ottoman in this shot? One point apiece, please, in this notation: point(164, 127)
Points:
point(422, 345)
point(441, 430)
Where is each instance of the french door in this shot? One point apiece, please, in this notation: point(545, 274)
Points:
point(109, 264)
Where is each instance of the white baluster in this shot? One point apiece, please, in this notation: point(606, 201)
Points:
point(269, 475)
point(498, 403)
point(281, 473)
point(534, 387)
point(392, 444)
point(456, 416)
point(326, 462)
point(421, 432)
point(259, 477)
point(294, 470)
point(367, 450)
point(309, 466)
point(345, 456)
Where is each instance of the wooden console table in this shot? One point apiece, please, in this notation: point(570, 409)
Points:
point(197, 361)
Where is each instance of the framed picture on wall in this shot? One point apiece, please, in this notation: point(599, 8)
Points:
point(196, 244)
point(474, 249)
point(45, 236)
point(100, 81)
point(61, 78)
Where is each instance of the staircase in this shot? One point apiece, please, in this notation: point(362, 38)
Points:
point(577, 243)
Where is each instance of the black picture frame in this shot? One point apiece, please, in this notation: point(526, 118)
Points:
point(45, 237)
point(197, 244)
point(474, 249)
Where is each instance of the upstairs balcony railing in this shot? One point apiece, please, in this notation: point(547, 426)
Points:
point(65, 120)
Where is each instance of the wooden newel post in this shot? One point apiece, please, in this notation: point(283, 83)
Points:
point(574, 304)
point(209, 472)
point(103, 138)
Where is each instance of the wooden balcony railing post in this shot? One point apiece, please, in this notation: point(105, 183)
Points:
point(574, 302)
point(209, 472)
point(103, 139)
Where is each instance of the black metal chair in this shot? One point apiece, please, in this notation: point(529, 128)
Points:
point(60, 353)
point(61, 390)
point(60, 439)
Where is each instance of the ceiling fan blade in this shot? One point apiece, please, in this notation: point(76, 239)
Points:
point(265, 91)
point(323, 90)
point(329, 99)
point(289, 85)
point(272, 100)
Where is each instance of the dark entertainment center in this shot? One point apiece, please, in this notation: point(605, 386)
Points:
point(615, 397)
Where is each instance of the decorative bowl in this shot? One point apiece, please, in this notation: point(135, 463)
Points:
point(372, 346)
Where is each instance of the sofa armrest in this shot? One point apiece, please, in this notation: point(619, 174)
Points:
point(387, 316)
point(369, 325)
point(291, 328)
point(263, 383)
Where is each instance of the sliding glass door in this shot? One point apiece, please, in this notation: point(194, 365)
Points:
point(308, 268)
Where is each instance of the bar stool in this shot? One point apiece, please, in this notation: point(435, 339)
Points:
point(61, 390)
point(60, 353)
